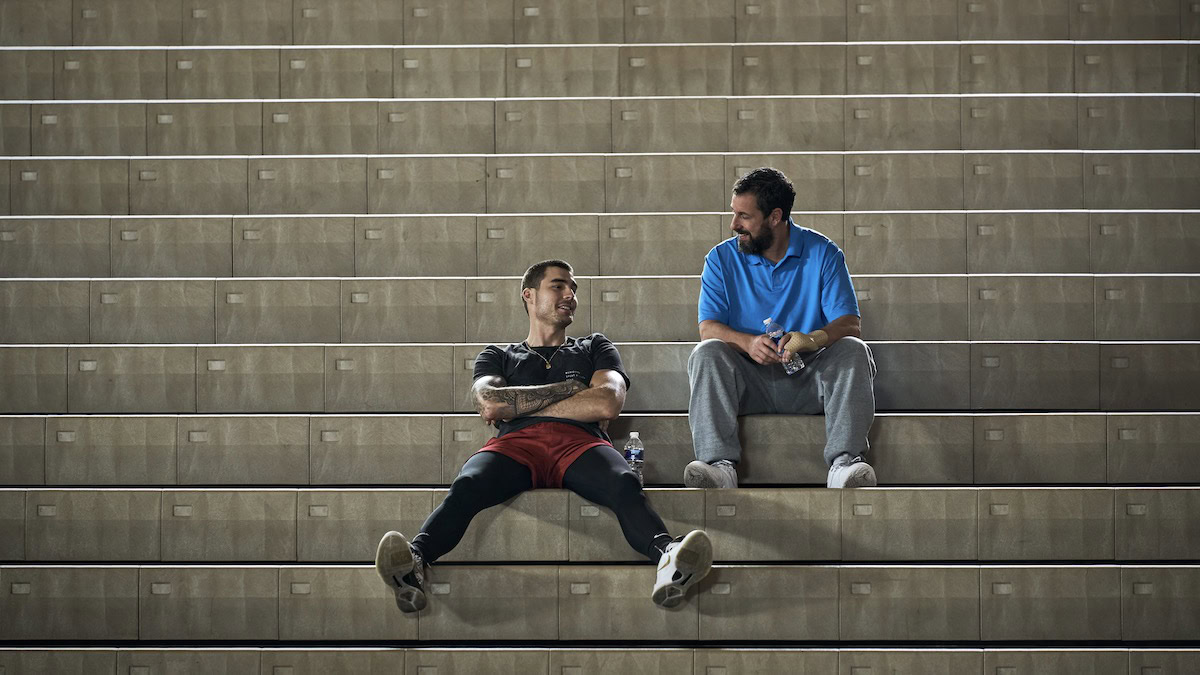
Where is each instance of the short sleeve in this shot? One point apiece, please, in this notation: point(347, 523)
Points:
point(837, 290)
point(489, 362)
point(606, 357)
point(714, 303)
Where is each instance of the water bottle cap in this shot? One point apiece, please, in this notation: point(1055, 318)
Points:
point(634, 434)
point(767, 321)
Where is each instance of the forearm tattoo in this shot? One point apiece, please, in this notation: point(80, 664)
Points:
point(527, 400)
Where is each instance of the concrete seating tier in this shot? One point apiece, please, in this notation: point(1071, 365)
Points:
point(358, 310)
point(698, 69)
point(1094, 604)
point(762, 525)
point(347, 378)
point(685, 124)
point(284, 22)
point(587, 660)
point(596, 183)
point(880, 242)
point(427, 450)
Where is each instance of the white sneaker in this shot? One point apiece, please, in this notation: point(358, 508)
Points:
point(684, 563)
point(401, 568)
point(719, 474)
point(851, 472)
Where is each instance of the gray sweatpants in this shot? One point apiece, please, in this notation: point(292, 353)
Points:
point(725, 383)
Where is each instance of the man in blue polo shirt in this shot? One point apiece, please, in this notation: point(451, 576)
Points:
point(774, 269)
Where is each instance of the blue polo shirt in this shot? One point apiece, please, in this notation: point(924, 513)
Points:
point(804, 291)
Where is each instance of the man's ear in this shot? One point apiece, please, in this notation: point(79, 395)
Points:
point(776, 216)
point(526, 294)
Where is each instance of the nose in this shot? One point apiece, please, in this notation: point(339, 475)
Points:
point(733, 223)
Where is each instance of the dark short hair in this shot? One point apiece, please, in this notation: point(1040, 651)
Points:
point(536, 272)
point(771, 189)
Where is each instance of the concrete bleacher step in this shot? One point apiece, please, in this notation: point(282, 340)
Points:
point(588, 70)
point(345, 378)
point(685, 124)
point(596, 182)
point(213, 525)
point(956, 242)
point(357, 310)
point(608, 660)
point(278, 22)
point(548, 603)
point(393, 450)
point(593, 660)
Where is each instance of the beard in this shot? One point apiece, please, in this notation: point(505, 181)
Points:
point(551, 317)
point(756, 245)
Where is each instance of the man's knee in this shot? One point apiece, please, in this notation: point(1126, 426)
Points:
point(853, 352)
point(627, 483)
point(465, 487)
point(709, 352)
point(622, 488)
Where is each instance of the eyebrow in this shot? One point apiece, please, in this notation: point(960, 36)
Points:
point(574, 286)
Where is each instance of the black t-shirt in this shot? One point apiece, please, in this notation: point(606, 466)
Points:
point(578, 359)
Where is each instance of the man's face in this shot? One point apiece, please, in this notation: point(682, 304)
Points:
point(754, 230)
point(553, 301)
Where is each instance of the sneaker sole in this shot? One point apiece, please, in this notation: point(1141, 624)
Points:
point(393, 560)
point(693, 559)
point(695, 477)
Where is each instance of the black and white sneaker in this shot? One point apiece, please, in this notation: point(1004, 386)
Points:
point(401, 567)
point(684, 563)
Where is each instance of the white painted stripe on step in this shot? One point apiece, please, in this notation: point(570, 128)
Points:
point(270, 345)
point(602, 278)
point(321, 416)
point(569, 565)
point(366, 216)
point(587, 45)
point(866, 490)
point(578, 155)
point(507, 99)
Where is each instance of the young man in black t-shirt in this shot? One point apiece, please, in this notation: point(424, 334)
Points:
point(550, 398)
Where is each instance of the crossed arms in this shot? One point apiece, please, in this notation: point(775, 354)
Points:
point(602, 400)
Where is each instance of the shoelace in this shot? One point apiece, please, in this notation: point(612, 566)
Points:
point(418, 571)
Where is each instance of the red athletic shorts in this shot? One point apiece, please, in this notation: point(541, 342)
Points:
point(547, 449)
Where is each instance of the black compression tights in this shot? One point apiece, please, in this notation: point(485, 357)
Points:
point(599, 475)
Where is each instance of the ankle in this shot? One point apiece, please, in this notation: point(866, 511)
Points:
point(419, 555)
point(658, 547)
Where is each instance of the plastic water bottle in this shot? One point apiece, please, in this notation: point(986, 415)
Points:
point(776, 332)
point(635, 454)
